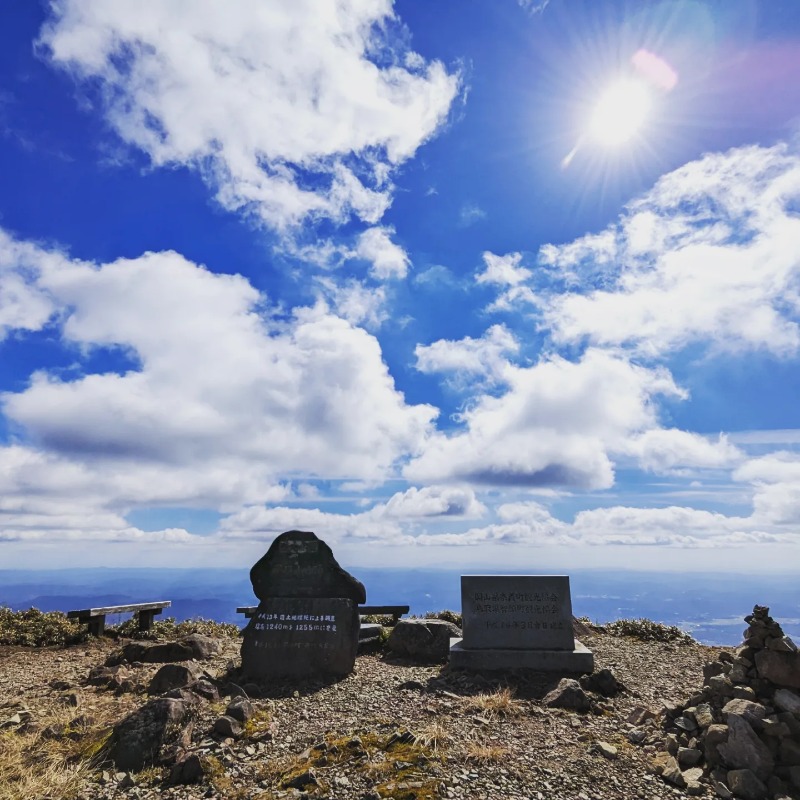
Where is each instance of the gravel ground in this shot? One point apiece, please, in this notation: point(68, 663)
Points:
point(475, 736)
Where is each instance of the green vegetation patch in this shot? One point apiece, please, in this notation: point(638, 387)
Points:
point(648, 631)
point(167, 628)
point(34, 628)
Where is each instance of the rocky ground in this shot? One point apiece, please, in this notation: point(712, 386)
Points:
point(392, 729)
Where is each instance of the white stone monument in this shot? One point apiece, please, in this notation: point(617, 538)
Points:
point(518, 622)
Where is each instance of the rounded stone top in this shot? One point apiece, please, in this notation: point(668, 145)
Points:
point(299, 564)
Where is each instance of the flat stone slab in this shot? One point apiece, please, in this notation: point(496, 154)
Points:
point(577, 660)
point(517, 612)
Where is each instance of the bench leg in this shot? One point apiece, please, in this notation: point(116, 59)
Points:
point(97, 625)
point(146, 619)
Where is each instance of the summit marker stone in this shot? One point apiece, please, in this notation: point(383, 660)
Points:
point(307, 620)
point(518, 622)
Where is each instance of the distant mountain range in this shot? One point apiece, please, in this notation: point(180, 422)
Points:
point(709, 606)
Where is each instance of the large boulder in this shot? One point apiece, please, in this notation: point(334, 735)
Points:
point(196, 646)
point(141, 738)
point(425, 640)
point(783, 669)
point(744, 750)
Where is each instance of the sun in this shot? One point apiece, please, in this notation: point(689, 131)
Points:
point(620, 112)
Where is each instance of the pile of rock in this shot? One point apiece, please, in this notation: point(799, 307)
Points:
point(741, 733)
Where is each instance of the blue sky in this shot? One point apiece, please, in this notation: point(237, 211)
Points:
point(506, 284)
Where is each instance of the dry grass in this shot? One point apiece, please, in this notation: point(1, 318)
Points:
point(500, 703)
point(433, 736)
point(483, 753)
point(32, 766)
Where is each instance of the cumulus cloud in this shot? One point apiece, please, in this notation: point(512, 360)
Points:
point(710, 254)
point(388, 259)
point(389, 522)
point(483, 357)
point(289, 111)
point(221, 398)
point(554, 426)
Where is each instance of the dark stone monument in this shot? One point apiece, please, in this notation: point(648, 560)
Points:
point(307, 619)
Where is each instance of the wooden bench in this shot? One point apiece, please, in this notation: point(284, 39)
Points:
point(96, 617)
point(395, 611)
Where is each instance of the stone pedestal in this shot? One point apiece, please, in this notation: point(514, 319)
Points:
point(518, 622)
point(577, 660)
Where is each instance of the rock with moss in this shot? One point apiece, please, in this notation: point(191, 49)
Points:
point(142, 739)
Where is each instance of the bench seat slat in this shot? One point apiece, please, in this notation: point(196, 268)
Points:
point(96, 612)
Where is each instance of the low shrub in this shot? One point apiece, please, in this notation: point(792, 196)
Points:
point(648, 631)
point(168, 628)
point(34, 628)
point(446, 615)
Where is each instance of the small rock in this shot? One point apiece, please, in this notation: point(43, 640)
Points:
point(693, 774)
point(173, 676)
point(603, 682)
point(604, 749)
point(745, 784)
point(568, 694)
point(241, 709)
point(667, 767)
point(722, 790)
point(126, 781)
point(703, 715)
point(228, 728)
point(787, 700)
point(689, 756)
point(187, 770)
point(307, 778)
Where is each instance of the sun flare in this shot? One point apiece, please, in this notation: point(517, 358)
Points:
point(620, 112)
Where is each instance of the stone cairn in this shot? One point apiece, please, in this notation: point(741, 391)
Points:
point(741, 733)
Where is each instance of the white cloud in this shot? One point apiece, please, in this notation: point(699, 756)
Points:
point(356, 302)
point(388, 259)
point(469, 214)
point(555, 425)
point(663, 449)
point(290, 111)
point(709, 254)
point(221, 402)
point(433, 501)
point(484, 357)
point(503, 270)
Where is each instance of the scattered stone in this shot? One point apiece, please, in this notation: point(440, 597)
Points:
point(228, 728)
point(604, 749)
point(205, 689)
point(425, 640)
point(703, 715)
point(188, 769)
point(174, 676)
point(603, 682)
point(196, 646)
point(307, 778)
point(667, 767)
point(241, 709)
point(568, 694)
point(689, 756)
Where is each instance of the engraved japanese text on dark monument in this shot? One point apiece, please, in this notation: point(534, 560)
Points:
point(307, 619)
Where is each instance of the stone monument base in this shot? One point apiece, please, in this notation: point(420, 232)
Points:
point(578, 660)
